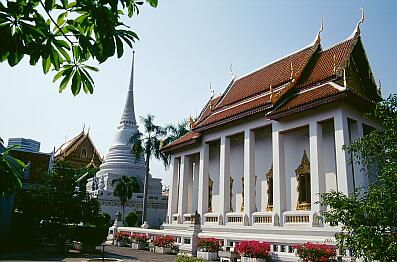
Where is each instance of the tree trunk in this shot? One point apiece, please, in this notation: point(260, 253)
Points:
point(123, 207)
point(145, 190)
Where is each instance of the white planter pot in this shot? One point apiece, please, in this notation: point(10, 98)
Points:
point(138, 246)
point(162, 250)
point(250, 259)
point(121, 244)
point(210, 256)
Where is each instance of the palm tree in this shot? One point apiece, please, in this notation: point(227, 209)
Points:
point(123, 189)
point(176, 131)
point(148, 146)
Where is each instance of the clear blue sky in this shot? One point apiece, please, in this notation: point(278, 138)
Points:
point(184, 46)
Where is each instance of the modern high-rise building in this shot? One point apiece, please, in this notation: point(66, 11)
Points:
point(25, 144)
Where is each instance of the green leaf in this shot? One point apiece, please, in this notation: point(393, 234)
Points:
point(49, 4)
point(55, 59)
point(65, 80)
point(76, 52)
point(119, 45)
point(46, 64)
point(61, 18)
point(76, 83)
point(153, 3)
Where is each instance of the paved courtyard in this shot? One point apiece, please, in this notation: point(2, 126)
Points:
point(124, 253)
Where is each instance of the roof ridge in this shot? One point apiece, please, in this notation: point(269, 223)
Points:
point(277, 60)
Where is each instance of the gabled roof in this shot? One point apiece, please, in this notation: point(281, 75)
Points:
point(273, 74)
point(69, 146)
point(279, 89)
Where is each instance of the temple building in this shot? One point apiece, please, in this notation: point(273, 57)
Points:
point(120, 162)
point(79, 152)
point(258, 155)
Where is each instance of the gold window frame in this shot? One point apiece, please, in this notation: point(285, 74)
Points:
point(303, 170)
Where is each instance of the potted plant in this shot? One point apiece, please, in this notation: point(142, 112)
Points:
point(253, 251)
point(208, 248)
point(121, 238)
point(163, 244)
point(139, 241)
point(311, 252)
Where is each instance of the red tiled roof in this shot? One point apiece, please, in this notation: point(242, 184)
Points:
point(250, 94)
point(325, 63)
point(191, 136)
point(208, 108)
point(244, 106)
point(307, 97)
point(274, 74)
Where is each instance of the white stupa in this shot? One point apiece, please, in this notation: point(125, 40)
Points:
point(119, 160)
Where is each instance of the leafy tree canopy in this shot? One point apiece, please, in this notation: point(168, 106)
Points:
point(368, 215)
point(57, 193)
point(65, 34)
point(11, 170)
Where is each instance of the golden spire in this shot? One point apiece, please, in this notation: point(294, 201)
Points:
point(161, 144)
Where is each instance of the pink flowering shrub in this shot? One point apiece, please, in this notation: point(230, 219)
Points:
point(164, 241)
point(139, 238)
point(311, 252)
point(253, 249)
point(209, 244)
point(122, 236)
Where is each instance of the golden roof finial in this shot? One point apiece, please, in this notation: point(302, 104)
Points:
point(212, 91)
point(317, 40)
point(231, 72)
point(161, 144)
point(357, 30)
point(271, 92)
point(191, 122)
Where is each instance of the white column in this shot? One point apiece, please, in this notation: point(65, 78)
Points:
point(278, 173)
point(249, 173)
point(343, 171)
point(356, 131)
point(173, 194)
point(195, 184)
point(183, 188)
point(224, 172)
point(316, 164)
point(202, 206)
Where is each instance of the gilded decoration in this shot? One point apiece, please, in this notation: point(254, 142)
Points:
point(210, 185)
point(231, 193)
point(303, 183)
point(242, 194)
point(269, 184)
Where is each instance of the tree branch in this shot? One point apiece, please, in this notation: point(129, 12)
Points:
point(53, 21)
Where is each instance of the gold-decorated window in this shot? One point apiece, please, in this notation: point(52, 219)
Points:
point(303, 184)
point(269, 182)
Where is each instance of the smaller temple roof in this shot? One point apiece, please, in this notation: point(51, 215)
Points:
point(69, 146)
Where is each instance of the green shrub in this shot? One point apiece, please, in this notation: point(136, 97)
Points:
point(186, 258)
point(130, 219)
point(89, 235)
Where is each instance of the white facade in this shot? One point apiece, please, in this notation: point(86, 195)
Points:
point(120, 162)
point(249, 150)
